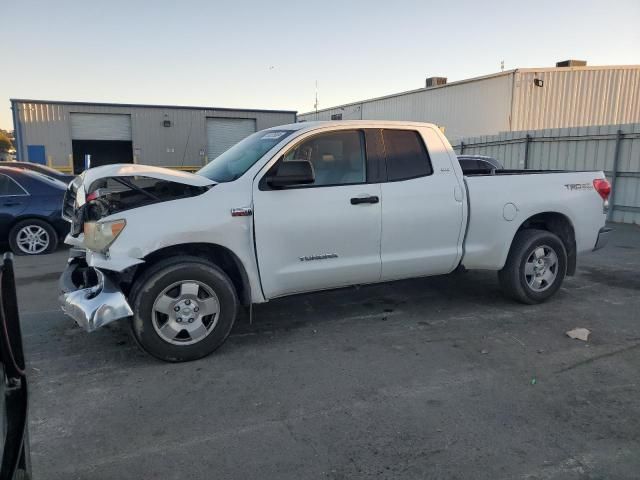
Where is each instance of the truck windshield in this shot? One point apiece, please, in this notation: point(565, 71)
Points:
point(233, 163)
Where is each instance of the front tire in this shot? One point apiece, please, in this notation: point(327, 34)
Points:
point(33, 237)
point(184, 309)
point(535, 268)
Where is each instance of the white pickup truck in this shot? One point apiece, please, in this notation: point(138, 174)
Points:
point(306, 207)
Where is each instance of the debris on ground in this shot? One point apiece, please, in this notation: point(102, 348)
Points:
point(484, 352)
point(579, 334)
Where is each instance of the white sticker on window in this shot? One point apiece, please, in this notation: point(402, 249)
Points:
point(272, 135)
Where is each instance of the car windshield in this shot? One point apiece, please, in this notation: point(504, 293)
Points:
point(233, 163)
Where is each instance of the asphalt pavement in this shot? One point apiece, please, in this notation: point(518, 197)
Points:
point(436, 377)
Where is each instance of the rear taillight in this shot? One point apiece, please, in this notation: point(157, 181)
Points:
point(603, 187)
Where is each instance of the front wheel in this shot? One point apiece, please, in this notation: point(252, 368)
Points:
point(184, 309)
point(535, 267)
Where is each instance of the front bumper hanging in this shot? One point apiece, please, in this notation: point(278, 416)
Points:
point(95, 306)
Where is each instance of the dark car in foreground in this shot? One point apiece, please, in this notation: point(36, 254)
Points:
point(30, 211)
point(479, 164)
point(14, 437)
point(36, 167)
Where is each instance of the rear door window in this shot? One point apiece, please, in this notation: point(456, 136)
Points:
point(10, 187)
point(406, 154)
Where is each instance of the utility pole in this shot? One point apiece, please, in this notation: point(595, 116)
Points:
point(315, 105)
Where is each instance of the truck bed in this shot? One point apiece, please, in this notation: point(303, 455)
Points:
point(500, 203)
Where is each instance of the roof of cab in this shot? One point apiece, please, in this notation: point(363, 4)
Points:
point(312, 125)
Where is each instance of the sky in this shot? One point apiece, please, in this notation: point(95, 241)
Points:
point(269, 54)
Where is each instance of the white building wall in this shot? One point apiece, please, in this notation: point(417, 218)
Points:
point(576, 97)
point(480, 106)
point(510, 101)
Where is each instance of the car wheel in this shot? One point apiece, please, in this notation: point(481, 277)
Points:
point(33, 237)
point(535, 268)
point(184, 309)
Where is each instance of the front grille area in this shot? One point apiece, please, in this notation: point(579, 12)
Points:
point(77, 222)
point(70, 213)
point(68, 204)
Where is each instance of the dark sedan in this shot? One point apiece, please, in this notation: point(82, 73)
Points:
point(30, 211)
point(36, 167)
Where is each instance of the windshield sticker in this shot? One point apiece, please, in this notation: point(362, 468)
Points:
point(272, 135)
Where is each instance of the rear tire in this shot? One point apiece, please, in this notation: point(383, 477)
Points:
point(184, 309)
point(33, 237)
point(535, 268)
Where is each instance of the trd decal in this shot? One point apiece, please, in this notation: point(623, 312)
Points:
point(578, 186)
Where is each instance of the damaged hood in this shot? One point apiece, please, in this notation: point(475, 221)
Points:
point(103, 191)
point(134, 170)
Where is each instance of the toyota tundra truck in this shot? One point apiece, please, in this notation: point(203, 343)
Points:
point(307, 207)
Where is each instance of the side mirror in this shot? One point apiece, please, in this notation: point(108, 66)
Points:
point(295, 172)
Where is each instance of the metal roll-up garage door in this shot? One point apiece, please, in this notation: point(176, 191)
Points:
point(223, 133)
point(100, 126)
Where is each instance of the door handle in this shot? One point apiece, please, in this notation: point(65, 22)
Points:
point(11, 204)
point(369, 199)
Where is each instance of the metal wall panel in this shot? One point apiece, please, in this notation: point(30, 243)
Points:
point(464, 108)
point(182, 144)
point(43, 124)
point(576, 97)
point(508, 102)
point(577, 148)
point(100, 126)
point(224, 133)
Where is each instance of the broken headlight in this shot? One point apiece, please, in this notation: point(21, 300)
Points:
point(98, 236)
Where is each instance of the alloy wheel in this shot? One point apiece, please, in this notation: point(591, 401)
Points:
point(32, 239)
point(541, 268)
point(185, 312)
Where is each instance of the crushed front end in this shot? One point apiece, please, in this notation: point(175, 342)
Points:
point(95, 204)
point(90, 296)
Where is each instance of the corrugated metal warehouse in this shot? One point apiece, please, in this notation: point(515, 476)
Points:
point(61, 134)
point(514, 100)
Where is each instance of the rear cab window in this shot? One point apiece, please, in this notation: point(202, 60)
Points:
point(406, 155)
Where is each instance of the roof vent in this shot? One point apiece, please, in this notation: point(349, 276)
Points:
point(435, 81)
point(572, 63)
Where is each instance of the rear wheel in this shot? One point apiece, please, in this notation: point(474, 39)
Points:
point(184, 309)
point(32, 237)
point(535, 268)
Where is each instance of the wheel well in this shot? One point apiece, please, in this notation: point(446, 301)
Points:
point(31, 217)
point(217, 254)
point(561, 226)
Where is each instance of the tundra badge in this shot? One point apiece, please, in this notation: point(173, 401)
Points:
point(323, 256)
